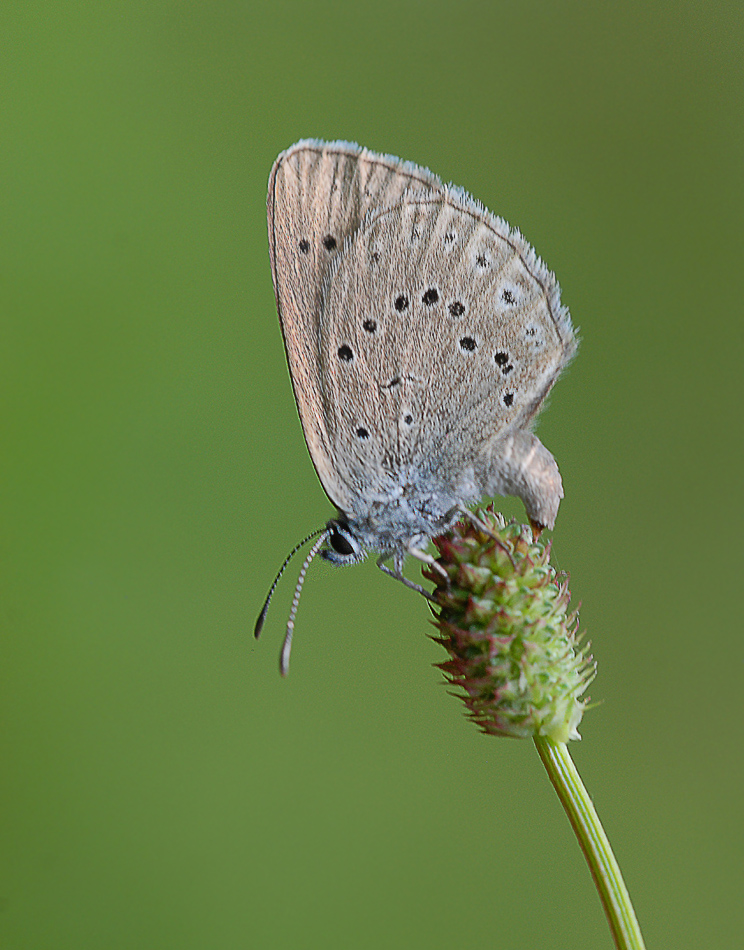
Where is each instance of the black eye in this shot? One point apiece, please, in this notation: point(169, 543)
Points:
point(339, 543)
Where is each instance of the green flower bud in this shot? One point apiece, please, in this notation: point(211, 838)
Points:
point(515, 652)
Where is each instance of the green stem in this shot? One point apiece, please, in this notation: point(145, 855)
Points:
point(594, 843)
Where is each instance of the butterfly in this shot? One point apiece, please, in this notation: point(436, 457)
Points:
point(422, 335)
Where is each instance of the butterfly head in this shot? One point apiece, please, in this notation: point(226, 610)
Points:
point(343, 547)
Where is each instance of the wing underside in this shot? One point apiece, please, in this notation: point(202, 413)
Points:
point(318, 195)
point(440, 332)
point(419, 327)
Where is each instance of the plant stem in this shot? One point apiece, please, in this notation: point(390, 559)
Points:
point(594, 843)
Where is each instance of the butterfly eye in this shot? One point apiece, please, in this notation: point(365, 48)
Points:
point(339, 543)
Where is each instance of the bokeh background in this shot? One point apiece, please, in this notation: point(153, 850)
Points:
point(162, 787)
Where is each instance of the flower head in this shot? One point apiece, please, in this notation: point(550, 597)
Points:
point(515, 651)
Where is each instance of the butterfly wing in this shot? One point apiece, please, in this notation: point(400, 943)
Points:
point(441, 332)
point(318, 194)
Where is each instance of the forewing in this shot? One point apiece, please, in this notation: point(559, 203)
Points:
point(441, 330)
point(318, 194)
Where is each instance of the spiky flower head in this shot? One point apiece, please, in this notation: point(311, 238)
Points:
point(515, 651)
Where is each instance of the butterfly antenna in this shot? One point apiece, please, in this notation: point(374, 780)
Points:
point(288, 558)
point(287, 645)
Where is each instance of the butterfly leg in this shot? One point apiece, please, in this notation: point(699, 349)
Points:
point(398, 574)
point(429, 560)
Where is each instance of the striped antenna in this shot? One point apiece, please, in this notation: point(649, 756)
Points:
point(288, 558)
point(287, 645)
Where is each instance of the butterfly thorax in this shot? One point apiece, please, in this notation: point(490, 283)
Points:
point(392, 525)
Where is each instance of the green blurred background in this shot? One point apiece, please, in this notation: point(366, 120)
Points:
point(162, 787)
